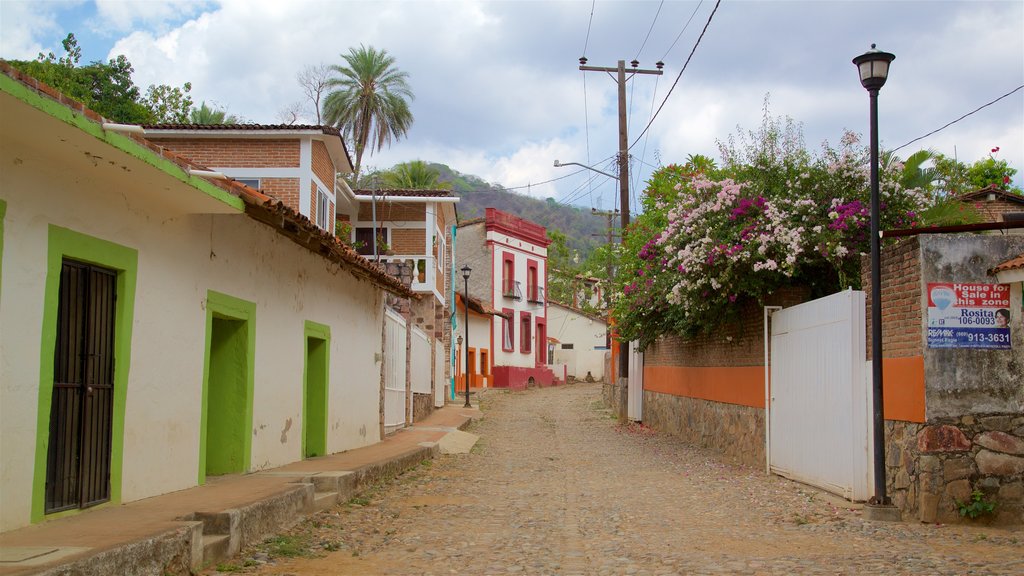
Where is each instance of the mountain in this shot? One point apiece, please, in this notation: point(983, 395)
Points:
point(583, 230)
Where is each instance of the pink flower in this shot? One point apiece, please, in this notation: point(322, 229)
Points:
point(996, 149)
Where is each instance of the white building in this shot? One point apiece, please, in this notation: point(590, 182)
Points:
point(578, 340)
point(160, 328)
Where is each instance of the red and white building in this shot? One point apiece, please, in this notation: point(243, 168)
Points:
point(508, 258)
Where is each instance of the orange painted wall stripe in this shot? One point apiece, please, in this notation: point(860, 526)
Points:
point(903, 380)
point(743, 385)
point(903, 388)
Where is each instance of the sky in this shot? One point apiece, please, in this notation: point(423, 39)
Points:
point(499, 93)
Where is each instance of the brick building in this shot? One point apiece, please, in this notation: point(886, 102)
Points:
point(296, 164)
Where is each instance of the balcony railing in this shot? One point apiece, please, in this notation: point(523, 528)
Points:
point(511, 290)
point(535, 294)
point(423, 270)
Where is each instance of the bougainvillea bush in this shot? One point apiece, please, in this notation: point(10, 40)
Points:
point(773, 215)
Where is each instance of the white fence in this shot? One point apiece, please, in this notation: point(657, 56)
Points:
point(420, 360)
point(820, 402)
point(395, 397)
point(440, 382)
point(635, 386)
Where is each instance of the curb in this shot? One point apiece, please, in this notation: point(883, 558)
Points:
point(205, 538)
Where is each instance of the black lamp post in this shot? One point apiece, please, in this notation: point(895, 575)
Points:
point(873, 67)
point(465, 276)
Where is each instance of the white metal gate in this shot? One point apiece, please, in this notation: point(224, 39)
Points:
point(635, 397)
point(820, 402)
point(394, 371)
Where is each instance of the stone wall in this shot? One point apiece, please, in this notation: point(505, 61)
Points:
point(932, 467)
point(422, 406)
point(733, 430)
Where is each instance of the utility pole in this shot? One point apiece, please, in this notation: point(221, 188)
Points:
point(620, 79)
point(609, 214)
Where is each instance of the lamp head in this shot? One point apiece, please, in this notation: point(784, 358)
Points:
point(465, 272)
point(873, 68)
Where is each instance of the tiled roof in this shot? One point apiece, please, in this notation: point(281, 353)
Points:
point(992, 189)
point(248, 127)
point(406, 193)
point(593, 317)
point(480, 307)
point(258, 206)
point(1015, 263)
point(471, 222)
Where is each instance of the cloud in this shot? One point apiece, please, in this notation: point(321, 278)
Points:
point(23, 23)
point(123, 15)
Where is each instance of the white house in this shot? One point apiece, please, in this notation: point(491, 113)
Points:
point(159, 327)
point(578, 340)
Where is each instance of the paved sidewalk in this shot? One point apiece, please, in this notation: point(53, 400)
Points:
point(166, 533)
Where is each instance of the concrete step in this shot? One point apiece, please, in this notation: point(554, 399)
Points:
point(215, 548)
point(324, 500)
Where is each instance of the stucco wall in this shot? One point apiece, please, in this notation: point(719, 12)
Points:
point(180, 257)
point(584, 333)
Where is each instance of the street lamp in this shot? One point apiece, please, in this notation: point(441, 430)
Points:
point(873, 67)
point(465, 276)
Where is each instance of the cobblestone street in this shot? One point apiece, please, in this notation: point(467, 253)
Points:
point(555, 486)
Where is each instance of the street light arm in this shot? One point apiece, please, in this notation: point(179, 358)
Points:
point(561, 164)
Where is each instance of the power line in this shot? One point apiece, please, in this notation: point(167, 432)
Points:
point(687, 63)
point(1017, 89)
point(685, 26)
point(649, 30)
point(589, 23)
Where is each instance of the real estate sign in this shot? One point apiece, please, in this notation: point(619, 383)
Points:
point(969, 316)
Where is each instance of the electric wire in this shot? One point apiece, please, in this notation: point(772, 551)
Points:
point(577, 193)
point(676, 82)
point(1017, 89)
point(632, 89)
point(649, 30)
point(586, 111)
point(685, 26)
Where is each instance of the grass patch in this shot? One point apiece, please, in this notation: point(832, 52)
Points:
point(228, 568)
point(288, 546)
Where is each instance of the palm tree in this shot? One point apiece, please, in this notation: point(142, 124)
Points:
point(206, 115)
point(415, 175)
point(368, 101)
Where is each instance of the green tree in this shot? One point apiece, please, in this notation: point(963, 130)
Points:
point(169, 105)
point(206, 115)
point(108, 88)
point(369, 101)
point(415, 175)
point(955, 177)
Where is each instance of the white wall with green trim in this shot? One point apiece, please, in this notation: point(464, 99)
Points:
point(66, 178)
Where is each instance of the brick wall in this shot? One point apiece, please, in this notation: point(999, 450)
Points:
point(901, 299)
point(734, 344)
point(311, 203)
point(993, 210)
point(393, 211)
point(284, 189)
point(236, 153)
point(322, 165)
point(408, 241)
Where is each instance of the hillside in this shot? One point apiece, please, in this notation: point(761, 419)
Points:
point(583, 230)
